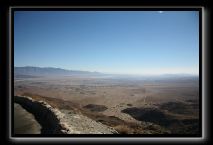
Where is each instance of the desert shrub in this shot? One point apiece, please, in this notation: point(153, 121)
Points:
point(129, 104)
point(122, 129)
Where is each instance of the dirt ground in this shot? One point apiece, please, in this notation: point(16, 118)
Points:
point(176, 99)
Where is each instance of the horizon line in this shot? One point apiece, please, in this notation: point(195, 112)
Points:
point(117, 73)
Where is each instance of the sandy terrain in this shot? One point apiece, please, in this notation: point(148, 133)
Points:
point(115, 95)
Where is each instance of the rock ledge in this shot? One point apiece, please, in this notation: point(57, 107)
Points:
point(54, 121)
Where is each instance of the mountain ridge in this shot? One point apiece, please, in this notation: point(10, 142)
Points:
point(40, 71)
point(54, 71)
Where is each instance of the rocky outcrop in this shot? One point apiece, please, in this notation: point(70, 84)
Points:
point(51, 119)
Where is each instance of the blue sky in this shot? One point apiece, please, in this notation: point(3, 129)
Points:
point(126, 42)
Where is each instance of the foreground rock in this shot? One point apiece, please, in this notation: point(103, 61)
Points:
point(54, 121)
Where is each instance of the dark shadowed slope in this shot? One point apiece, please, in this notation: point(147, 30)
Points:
point(24, 122)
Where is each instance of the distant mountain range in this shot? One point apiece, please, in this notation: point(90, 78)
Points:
point(44, 71)
point(30, 71)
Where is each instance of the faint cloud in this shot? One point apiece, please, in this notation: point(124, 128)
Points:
point(160, 12)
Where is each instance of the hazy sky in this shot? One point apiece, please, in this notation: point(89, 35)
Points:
point(128, 42)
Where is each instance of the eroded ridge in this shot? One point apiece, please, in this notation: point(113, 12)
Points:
point(53, 121)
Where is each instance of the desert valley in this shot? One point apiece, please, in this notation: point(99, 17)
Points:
point(166, 104)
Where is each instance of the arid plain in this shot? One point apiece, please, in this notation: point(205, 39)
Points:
point(131, 105)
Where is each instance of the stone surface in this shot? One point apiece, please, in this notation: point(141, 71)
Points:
point(54, 121)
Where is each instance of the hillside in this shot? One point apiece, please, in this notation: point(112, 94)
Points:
point(55, 121)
